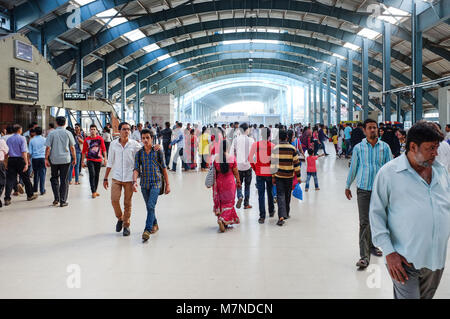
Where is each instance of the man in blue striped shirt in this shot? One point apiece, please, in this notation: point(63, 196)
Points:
point(368, 157)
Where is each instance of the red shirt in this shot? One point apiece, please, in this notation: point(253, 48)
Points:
point(311, 162)
point(262, 150)
point(93, 148)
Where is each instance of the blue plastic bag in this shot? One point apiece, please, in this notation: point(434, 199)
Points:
point(297, 192)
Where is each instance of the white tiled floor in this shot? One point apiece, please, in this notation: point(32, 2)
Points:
point(312, 256)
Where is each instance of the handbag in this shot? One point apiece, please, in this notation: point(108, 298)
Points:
point(209, 180)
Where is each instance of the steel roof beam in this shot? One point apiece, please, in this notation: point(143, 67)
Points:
point(33, 10)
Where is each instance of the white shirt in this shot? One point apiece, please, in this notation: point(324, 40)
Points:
point(136, 135)
point(274, 134)
point(5, 138)
point(444, 155)
point(121, 159)
point(447, 137)
point(240, 148)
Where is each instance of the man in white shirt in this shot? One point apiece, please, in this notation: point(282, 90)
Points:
point(121, 163)
point(240, 148)
point(447, 133)
point(137, 133)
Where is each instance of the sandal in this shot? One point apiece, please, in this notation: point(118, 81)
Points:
point(376, 251)
point(362, 263)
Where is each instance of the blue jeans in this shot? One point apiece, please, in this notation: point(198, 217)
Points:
point(77, 169)
point(263, 184)
point(308, 176)
point(39, 174)
point(348, 147)
point(150, 198)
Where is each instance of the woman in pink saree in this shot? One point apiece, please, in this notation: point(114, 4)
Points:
point(226, 180)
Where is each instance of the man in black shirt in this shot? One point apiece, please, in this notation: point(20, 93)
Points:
point(167, 138)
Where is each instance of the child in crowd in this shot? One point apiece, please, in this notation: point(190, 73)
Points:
point(311, 169)
point(335, 143)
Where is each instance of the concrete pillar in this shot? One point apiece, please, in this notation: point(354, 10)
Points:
point(444, 106)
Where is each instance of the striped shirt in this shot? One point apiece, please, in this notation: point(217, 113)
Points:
point(284, 161)
point(147, 165)
point(366, 162)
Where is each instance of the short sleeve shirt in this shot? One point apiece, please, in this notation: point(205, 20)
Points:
point(311, 164)
point(149, 167)
point(60, 140)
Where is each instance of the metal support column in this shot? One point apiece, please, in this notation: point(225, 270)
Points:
point(123, 94)
point(338, 91)
point(292, 105)
point(398, 108)
point(315, 102)
point(328, 98)
point(321, 98)
point(79, 75)
point(386, 71)
point(138, 98)
point(105, 79)
point(308, 120)
point(365, 79)
point(417, 111)
point(350, 86)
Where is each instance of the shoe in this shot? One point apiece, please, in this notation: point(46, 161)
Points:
point(239, 202)
point(119, 226)
point(376, 251)
point(55, 203)
point(20, 189)
point(317, 189)
point(280, 222)
point(261, 220)
point(145, 235)
point(64, 204)
point(32, 197)
point(247, 206)
point(126, 231)
point(271, 214)
point(42, 194)
point(16, 194)
point(93, 195)
point(155, 228)
point(1, 204)
point(7, 202)
point(97, 194)
point(306, 189)
point(221, 226)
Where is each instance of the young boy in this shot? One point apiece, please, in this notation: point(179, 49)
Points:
point(149, 164)
point(311, 169)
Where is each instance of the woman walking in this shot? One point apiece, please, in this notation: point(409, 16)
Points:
point(315, 138)
point(203, 147)
point(191, 146)
point(224, 188)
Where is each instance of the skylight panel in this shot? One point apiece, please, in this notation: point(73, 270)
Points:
point(351, 46)
point(109, 14)
point(163, 57)
point(150, 48)
point(83, 2)
point(134, 35)
point(368, 33)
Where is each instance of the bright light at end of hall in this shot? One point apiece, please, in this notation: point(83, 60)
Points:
point(368, 33)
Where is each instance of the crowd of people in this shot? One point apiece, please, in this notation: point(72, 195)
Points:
point(399, 176)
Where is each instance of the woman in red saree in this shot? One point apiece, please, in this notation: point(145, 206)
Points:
point(226, 179)
point(191, 146)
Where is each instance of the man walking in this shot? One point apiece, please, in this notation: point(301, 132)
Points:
point(60, 146)
point(37, 153)
point(137, 133)
point(3, 153)
point(150, 166)
point(17, 164)
point(121, 162)
point(240, 148)
point(259, 158)
point(368, 157)
point(93, 149)
point(347, 139)
point(179, 140)
point(409, 214)
point(166, 137)
point(323, 138)
point(285, 163)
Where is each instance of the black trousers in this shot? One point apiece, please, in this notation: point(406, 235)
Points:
point(2, 177)
point(59, 181)
point(167, 152)
point(246, 179)
point(284, 190)
point(15, 167)
point(94, 174)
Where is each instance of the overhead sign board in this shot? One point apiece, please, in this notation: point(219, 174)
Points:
point(24, 85)
point(75, 96)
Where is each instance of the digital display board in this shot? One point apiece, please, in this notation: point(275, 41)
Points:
point(74, 96)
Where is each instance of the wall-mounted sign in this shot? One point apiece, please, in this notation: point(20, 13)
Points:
point(24, 85)
point(75, 96)
point(23, 51)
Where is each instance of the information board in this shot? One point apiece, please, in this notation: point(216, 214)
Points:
point(23, 51)
point(24, 85)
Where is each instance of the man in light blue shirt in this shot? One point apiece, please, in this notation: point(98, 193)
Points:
point(347, 137)
point(179, 140)
point(410, 214)
point(368, 157)
point(37, 152)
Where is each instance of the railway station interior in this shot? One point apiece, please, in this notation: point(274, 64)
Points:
point(78, 76)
